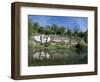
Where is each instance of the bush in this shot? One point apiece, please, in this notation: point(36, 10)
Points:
point(80, 46)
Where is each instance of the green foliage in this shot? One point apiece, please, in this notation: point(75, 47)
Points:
point(61, 31)
point(35, 28)
point(69, 32)
point(86, 36)
point(29, 29)
point(41, 30)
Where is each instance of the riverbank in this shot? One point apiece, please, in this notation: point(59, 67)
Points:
point(59, 46)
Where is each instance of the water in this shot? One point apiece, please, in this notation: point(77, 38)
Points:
point(45, 57)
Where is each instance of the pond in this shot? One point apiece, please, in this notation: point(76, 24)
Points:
point(45, 57)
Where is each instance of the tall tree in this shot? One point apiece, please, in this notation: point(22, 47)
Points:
point(41, 30)
point(86, 36)
point(29, 29)
point(69, 33)
point(35, 27)
point(54, 28)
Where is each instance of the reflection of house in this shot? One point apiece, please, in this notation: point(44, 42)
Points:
point(41, 55)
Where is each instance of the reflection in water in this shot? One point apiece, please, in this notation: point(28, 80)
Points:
point(56, 57)
point(41, 55)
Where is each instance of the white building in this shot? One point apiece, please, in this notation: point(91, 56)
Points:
point(41, 38)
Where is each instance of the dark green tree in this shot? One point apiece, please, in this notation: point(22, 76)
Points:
point(35, 28)
point(69, 33)
point(60, 30)
point(41, 30)
point(29, 29)
point(86, 36)
point(54, 29)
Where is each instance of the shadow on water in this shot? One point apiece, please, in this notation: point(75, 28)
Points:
point(44, 57)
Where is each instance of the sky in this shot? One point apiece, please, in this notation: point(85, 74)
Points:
point(73, 23)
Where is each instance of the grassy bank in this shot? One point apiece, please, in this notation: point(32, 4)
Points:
point(58, 46)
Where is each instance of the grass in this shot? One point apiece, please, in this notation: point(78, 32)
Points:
point(60, 45)
point(49, 46)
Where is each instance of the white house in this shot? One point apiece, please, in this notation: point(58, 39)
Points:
point(41, 38)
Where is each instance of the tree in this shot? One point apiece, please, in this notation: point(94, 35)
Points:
point(81, 34)
point(35, 27)
point(41, 30)
point(85, 36)
point(62, 29)
point(48, 30)
point(54, 29)
point(29, 29)
point(69, 33)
